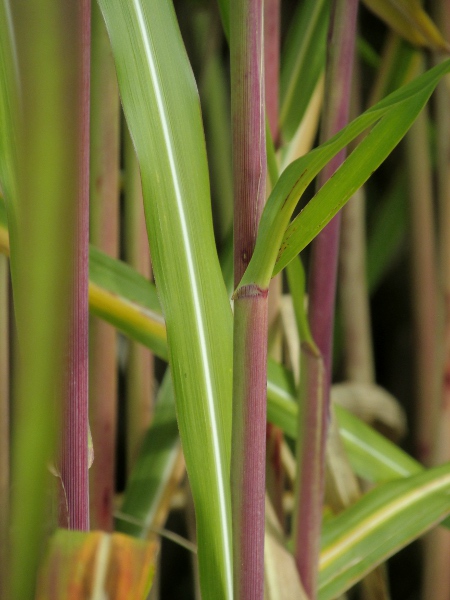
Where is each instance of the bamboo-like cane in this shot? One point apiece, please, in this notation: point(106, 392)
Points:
point(322, 289)
point(250, 307)
point(104, 228)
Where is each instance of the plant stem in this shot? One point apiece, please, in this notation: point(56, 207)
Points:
point(358, 354)
point(424, 282)
point(104, 228)
point(353, 290)
point(74, 457)
point(359, 363)
point(250, 307)
point(310, 479)
point(49, 53)
point(322, 288)
point(274, 469)
point(248, 443)
point(436, 575)
point(4, 422)
point(140, 360)
point(272, 63)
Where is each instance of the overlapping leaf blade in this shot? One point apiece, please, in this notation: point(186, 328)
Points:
point(148, 480)
point(408, 19)
point(163, 114)
point(391, 118)
point(378, 525)
point(372, 456)
point(303, 61)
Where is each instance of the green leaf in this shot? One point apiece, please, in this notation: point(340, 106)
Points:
point(408, 19)
point(127, 300)
point(373, 457)
point(8, 102)
point(302, 62)
point(145, 489)
point(381, 523)
point(387, 231)
point(39, 173)
point(162, 109)
point(276, 246)
point(297, 285)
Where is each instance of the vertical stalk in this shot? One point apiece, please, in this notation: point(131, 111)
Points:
point(49, 53)
point(250, 306)
point(436, 577)
point(355, 309)
point(354, 297)
point(310, 480)
point(424, 281)
point(274, 470)
point(139, 394)
point(4, 421)
point(322, 289)
point(272, 63)
point(104, 229)
point(74, 451)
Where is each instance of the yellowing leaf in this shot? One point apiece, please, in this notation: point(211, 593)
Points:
point(409, 20)
point(96, 565)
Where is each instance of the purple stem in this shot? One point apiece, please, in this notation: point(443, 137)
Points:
point(74, 460)
point(4, 423)
point(250, 307)
point(310, 473)
point(274, 437)
point(104, 229)
point(272, 62)
point(247, 108)
point(248, 459)
point(324, 259)
point(322, 292)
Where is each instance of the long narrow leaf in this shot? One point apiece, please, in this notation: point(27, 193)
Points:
point(408, 19)
point(302, 62)
point(382, 522)
point(163, 114)
point(276, 245)
point(148, 480)
point(373, 457)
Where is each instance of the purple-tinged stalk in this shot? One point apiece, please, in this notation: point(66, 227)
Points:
point(4, 421)
point(272, 63)
point(354, 297)
point(139, 394)
point(310, 467)
point(104, 229)
point(49, 48)
point(248, 448)
point(436, 575)
point(322, 291)
point(355, 310)
point(424, 282)
point(274, 469)
point(74, 449)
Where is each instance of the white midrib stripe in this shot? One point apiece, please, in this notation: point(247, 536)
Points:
point(193, 279)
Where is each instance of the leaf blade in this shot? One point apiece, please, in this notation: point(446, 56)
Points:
point(162, 110)
point(275, 244)
point(378, 525)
